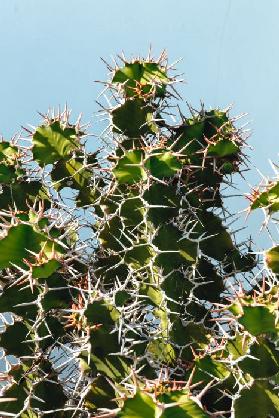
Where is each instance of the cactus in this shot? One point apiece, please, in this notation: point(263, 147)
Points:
point(154, 312)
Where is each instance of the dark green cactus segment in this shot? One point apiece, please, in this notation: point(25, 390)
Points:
point(176, 284)
point(237, 346)
point(132, 211)
point(211, 145)
point(34, 389)
point(162, 351)
point(163, 203)
point(21, 300)
point(110, 267)
point(205, 130)
point(223, 148)
point(258, 320)
point(51, 330)
point(129, 168)
point(53, 142)
point(58, 295)
point(48, 395)
point(188, 137)
point(45, 270)
point(216, 122)
point(8, 152)
point(142, 79)
point(71, 173)
point(100, 312)
point(121, 297)
point(163, 163)
point(107, 362)
point(10, 168)
point(235, 261)
point(272, 259)
point(133, 119)
point(185, 406)
point(267, 198)
point(191, 335)
point(101, 317)
point(169, 239)
point(109, 205)
point(30, 251)
point(16, 395)
point(100, 393)
point(21, 195)
point(87, 196)
point(219, 396)
point(210, 284)
point(258, 401)
point(174, 250)
point(7, 174)
point(159, 240)
point(18, 243)
point(176, 404)
point(263, 360)
point(112, 237)
point(18, 332)
point(219, 241)
point(104, 357)
point(140, 405)
point(139, 256)
point(213, 367)
point(59, 143)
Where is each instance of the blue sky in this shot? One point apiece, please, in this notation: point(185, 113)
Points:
point(50, 55)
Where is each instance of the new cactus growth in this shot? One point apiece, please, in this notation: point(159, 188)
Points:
point(153, 310)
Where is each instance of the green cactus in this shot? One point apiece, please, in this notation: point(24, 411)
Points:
point(148, 308)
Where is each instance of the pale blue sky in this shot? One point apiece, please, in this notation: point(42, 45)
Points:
point(50, 53)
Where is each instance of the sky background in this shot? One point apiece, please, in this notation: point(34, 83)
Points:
point(51, 49)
